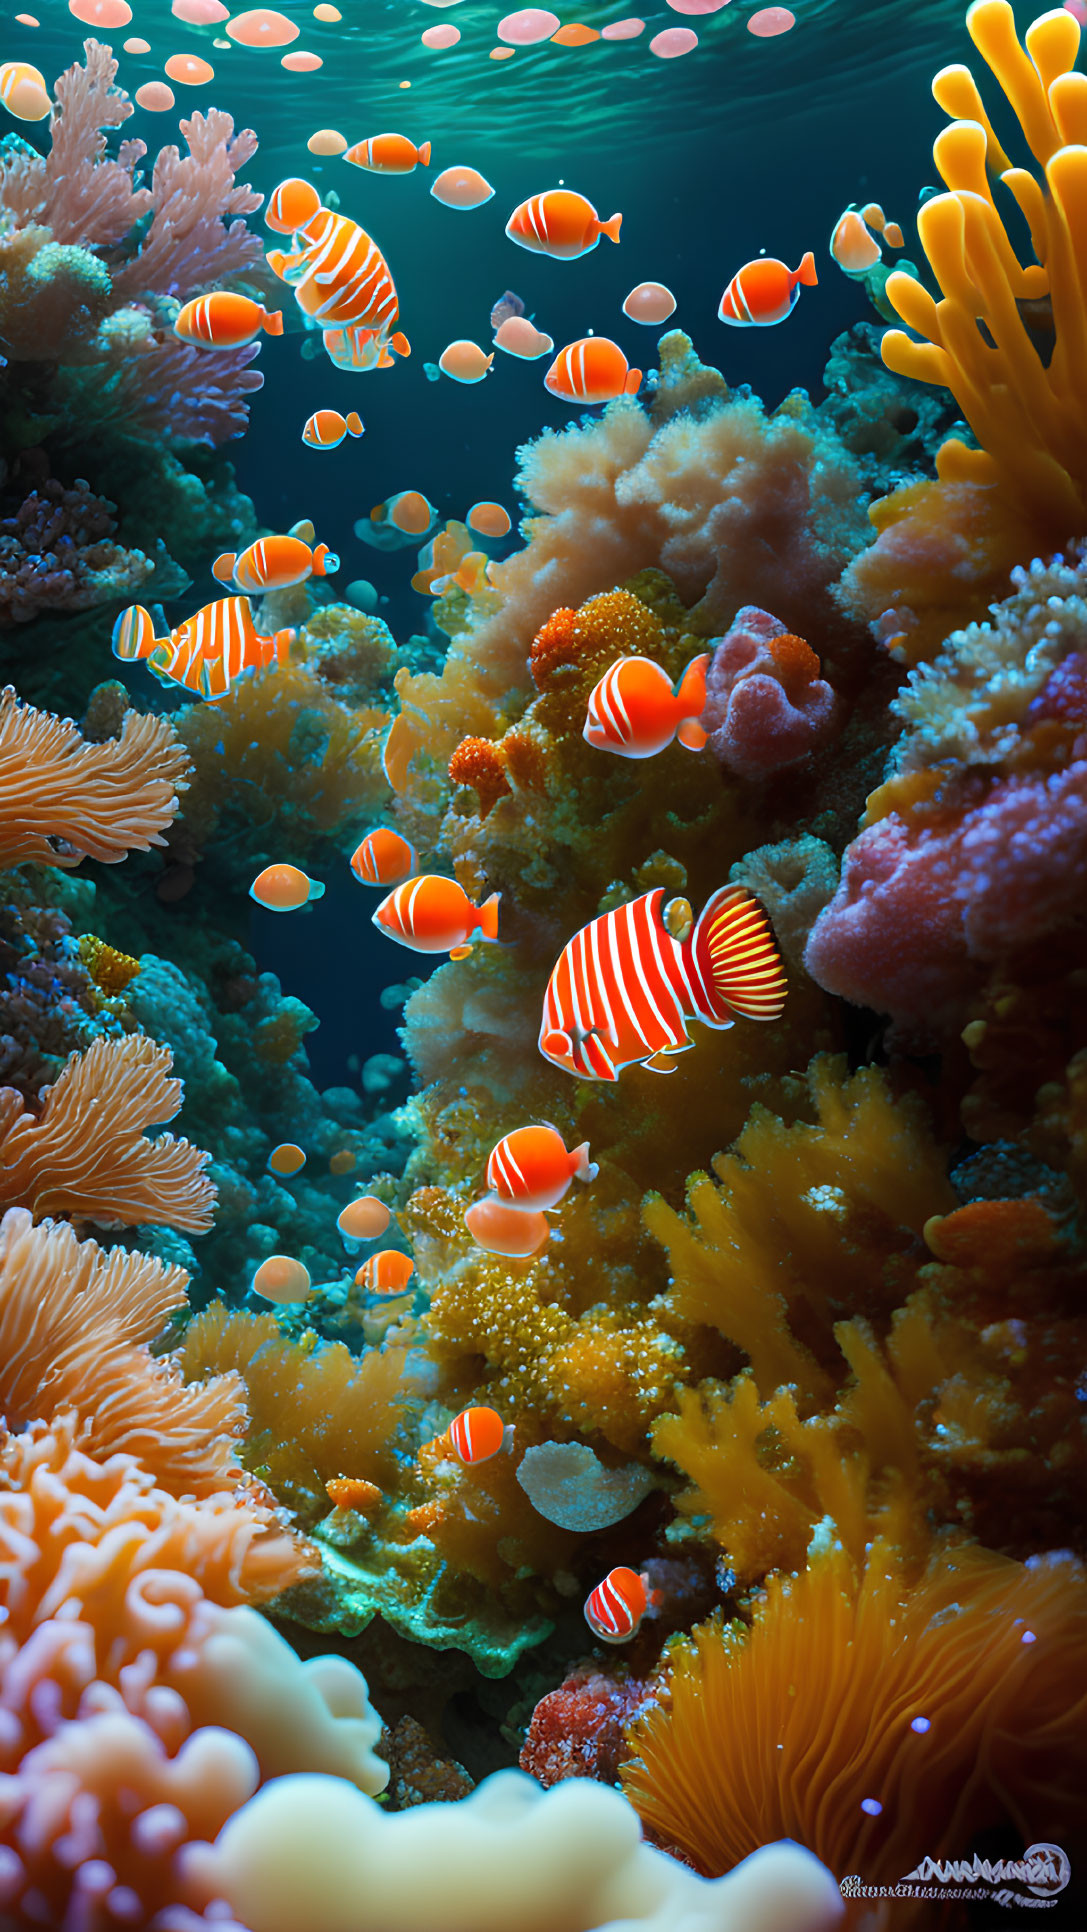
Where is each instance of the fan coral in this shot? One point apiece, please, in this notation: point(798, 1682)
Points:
point(57, 553)
point(873, 1724)
point(315, 1413)
point(74, 1328)
point(766, 704)
point(948, 546)
point(86, 1153)
point(567, 1860)
point(139, 1712)
point(62, 799)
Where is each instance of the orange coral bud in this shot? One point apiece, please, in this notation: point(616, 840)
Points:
point(479, 762)
point(555, 643)
point(354, 1492)
point(996, 1236)
point(526, 761)
point(109, 969)
point(794, 660)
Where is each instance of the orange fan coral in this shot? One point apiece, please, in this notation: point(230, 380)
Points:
point(86, 1152)
point(875, 1725)
point(74, 1324)
point(62, 799)
point(315, 1413)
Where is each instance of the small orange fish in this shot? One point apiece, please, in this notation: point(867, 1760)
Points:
point(223, 320)
point(283, 888)
point(281, 1278)
point(205, 653)
point(364, 1219)
point(852, 244)
point(326, 428)
point(615, 1610)
point(433, 915)
point(286, 1159)
point(387, 1273)
point(765, 291)
point(623, 987)
point(291, 206)
point(389, 154)
point(477, 1434)
point(274, 563)
point(532, 1168)
point(561, 224)
point(383, 858)
point(592, 370)
point(498, 1228)
point(635, 712)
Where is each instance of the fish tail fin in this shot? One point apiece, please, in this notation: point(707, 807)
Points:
point(424, 154)
point(399, 341)
point(691, 689)
point(586, 1170)
point(316, 890)
point(611, 228)
point(806, 272)
point(633, 382)
point(223, 567)
point(133, 633)
point(354, 423)
point(272, 321)
point(488, 916)
point(281, 645)
point(735, 959)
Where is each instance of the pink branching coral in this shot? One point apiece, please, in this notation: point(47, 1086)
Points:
point(62, 799)
point(766, 704)
point(57, 553)
point(62, 303)
point(86, 1152)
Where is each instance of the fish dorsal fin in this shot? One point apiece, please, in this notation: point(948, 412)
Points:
point(304, 530)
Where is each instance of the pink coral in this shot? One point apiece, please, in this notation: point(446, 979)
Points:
point(74, 190)
point(920, 909)
point(766, 704)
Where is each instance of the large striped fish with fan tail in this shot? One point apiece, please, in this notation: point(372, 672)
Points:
point(622, 991)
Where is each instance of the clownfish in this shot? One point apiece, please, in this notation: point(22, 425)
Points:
point(624, 987)
point(284, 888)
point(615, 1610)
point(286, 1159)
point(387, 1273)
point(326, 428)
point(358, 348)
point(223, 320)
point(765, 291)
point(205, 653)
point(435, 915)
point(592, 370)
point(561, 224)
point(389, 154)
point(532, 1167)
point(477, 1434)
point(383, 858)
point(636, 712)
point(339, 275)
point(291, 206)
point(498, 1228)
point(274, 563)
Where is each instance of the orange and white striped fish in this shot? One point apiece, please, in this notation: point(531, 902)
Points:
point(477, 1434)
point(592, 370)
point(532, 1167)
point(275, 563)
point(389, 154)
point(435, 915)
point(560, 223)
point(205, 653)
point(343, 277)
point(358, 349)
point(765, 291)
point(615, 1610)
point(326, 428)
point(635, 711)
point(223, 320)
point(624, 987)
point(387, 1273)
point(383, 858)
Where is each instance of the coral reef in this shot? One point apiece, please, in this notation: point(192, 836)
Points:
point(57, 553)
point(766, 704)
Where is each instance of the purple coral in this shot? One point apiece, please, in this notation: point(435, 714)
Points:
point(766, 704)
point(920, 910)
point(57, 553)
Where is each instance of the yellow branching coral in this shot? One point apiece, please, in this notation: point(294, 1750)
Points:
point(86, 1152)
point(74, 1326)
point(62, 798)
point(807, 1221)
point(316, 1412)
point(875, 1725)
